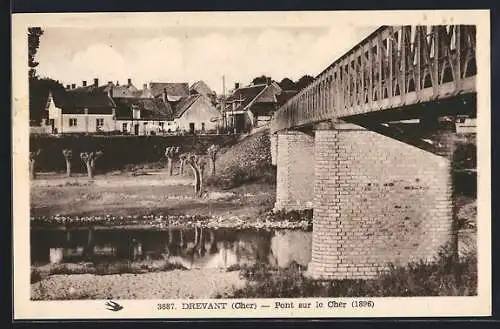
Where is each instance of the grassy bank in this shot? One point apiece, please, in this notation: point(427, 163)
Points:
point(443, 277)
point(248, 161)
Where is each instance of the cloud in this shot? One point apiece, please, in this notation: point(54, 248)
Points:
point(207, 56)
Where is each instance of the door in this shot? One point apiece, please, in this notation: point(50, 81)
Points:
point(136, 129)
point(191, 127)
point(52, 125)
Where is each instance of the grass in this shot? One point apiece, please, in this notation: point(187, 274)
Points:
point(236, 176)
point(443, 277)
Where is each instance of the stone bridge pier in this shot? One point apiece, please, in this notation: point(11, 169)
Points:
point(375, 200)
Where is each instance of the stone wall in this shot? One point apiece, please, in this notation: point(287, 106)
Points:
point(377, 200)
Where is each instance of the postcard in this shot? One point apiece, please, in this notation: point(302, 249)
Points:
point(251, 164)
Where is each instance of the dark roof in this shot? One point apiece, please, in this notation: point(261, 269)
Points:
point(173, 89)
point(184, 104)
point(202, 88)
point(87, 100)
point(150, 108)
point(245, 94)
point(77, 101)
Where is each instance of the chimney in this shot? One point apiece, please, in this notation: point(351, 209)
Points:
point(110, 83)
point(129, 81)
point(84, 83)
point(117, 83)
point(236, 85)
point(73, 85)
point(164, 95)
point(96, 82)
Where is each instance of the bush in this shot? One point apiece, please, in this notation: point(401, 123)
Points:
point(444, 277)
point(35, 275)
point(248, 161)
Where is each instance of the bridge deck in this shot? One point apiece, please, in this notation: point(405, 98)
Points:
point(394, 67)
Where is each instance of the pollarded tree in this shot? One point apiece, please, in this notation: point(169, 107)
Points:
point(90, 158)
point(182, 159)
point(212, 153)
point(68, 155)
point(171, 152)
point(193, 161)
point(33, 157)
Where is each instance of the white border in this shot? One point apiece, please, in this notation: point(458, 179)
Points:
point(384, 307)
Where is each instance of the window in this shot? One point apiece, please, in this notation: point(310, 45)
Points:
point(124, 127)
point(99, 122)
point(72, 122)
point(203, 126)
point(162, 124)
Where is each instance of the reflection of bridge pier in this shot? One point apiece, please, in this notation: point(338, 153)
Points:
point(381, 192)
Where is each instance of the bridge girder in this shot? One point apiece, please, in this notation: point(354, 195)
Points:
point(394, 68)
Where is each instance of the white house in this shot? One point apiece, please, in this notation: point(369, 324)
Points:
point(196, 113)
point(80, 112)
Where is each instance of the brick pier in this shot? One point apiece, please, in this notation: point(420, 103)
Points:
point(376, 200)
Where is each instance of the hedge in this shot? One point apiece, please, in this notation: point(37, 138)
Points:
point(119, 151)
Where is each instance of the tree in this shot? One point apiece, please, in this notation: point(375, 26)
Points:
point(261, 80)
point(38, 92)
point(194, 162)
point(182, 159)
point(287, 84)
point(68, 155)
point(171, 152)
point(34, 34)
point(33, 157)
point(90, 158)
point(212, 153)
point(304, 82)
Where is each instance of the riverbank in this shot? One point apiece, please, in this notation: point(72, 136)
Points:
point(195, 283)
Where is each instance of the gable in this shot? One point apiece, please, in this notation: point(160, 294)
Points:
point(201, 107)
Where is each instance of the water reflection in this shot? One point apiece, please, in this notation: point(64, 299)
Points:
point(193, 248)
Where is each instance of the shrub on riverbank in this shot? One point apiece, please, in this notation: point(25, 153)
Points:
point(444, 277)
point(247, 161)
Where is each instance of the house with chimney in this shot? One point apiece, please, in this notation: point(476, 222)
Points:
point(252, 106)
point(175, 91)
point(144, 115)
point(86, 109)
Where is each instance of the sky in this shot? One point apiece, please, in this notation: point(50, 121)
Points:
point(189, 54)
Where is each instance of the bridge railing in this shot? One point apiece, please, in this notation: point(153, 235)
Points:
point(393, 67)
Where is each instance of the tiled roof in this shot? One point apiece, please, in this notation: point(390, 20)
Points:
point(185, 104)
point(173, 89)
point(150, 108)
point(245, 95)
point(126, 91)
point(202, 88)
point(75, 102)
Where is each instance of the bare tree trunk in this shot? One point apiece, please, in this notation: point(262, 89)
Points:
point(182, 166)
point(68, 167)
point(32, 169)
point(90, 172)
point(212, 166)
point(170, 166)
point(197, 180)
